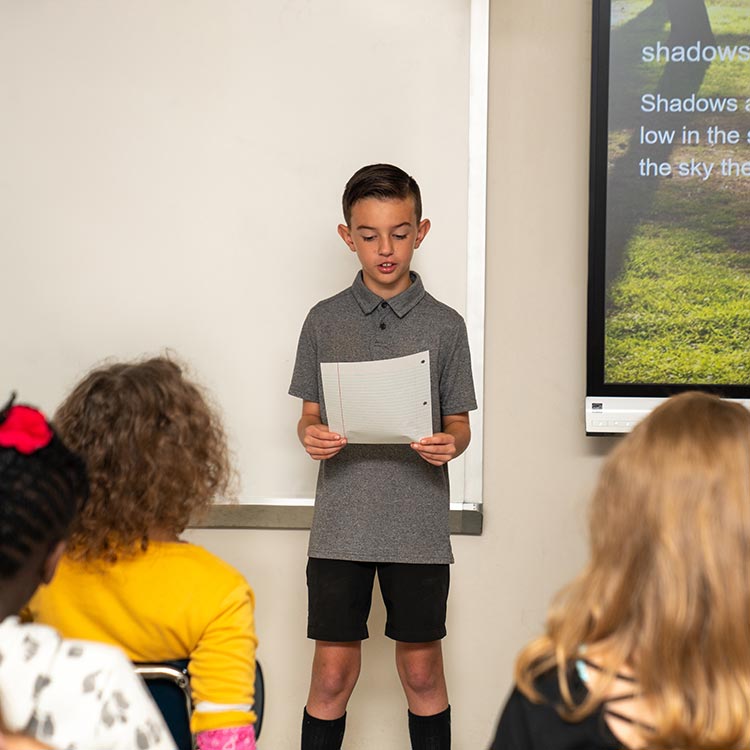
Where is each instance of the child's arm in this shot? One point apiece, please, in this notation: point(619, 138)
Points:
point(318, 441)
point(441, 447)
point(222, 672)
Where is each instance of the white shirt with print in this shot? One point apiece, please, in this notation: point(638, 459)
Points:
point(74, 695)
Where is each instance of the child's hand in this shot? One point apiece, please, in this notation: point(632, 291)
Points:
point(321, 444)
point(437, 449)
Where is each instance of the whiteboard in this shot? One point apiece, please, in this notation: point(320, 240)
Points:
point(170, 179)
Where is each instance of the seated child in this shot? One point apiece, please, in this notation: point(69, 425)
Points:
point(156, 454)
point(648, 647)
point(68, 694)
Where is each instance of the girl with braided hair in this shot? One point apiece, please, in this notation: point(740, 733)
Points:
point(156, 455)
point(68, 694)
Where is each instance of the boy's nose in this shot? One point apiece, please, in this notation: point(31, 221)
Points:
point(386, 247)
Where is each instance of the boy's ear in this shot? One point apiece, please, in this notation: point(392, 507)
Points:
point(53, 558)
point(422, 229)
point(346, 235)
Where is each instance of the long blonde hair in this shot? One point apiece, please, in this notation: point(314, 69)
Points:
point(667, 587)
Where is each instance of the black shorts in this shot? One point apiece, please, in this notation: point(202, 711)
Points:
point(339, 594)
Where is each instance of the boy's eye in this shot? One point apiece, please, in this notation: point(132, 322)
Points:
point(369, 238)
point(400, 236)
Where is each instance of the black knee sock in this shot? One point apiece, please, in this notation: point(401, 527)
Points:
point(430, 732)
point(322, 734)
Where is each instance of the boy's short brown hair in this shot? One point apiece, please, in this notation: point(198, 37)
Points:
point(382, 181)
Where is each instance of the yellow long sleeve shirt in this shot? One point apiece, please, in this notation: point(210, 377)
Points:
point(174, 601)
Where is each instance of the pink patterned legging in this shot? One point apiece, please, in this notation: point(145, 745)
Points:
point(231, 738)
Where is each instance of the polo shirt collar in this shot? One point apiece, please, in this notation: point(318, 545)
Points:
point(401, 304)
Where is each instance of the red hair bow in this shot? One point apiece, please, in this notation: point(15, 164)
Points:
point(25, 429)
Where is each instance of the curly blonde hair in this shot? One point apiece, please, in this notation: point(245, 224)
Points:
point(155, 451)
point(667, 585)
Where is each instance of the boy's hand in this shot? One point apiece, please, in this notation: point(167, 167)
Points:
point(437, 449)
point(320, 443)
point(441, 447)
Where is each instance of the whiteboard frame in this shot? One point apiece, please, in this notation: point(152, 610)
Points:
point(465, 517)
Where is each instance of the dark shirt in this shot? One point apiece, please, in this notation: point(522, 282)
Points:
point(525, 725)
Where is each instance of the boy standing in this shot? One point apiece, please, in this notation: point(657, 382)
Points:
point(381, 508)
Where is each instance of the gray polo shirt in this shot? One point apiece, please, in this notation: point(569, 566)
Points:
point(383, 503)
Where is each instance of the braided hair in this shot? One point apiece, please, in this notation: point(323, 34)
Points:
point(42, 486)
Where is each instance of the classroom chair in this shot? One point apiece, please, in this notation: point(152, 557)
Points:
point(169, 684)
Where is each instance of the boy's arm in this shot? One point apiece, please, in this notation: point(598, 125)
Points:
point(441, 447)
point(315, 436)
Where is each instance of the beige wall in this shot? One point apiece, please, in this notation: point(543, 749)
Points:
point(539, 466)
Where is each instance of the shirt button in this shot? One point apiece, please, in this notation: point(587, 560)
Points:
point(384, 304)
point(382, 326)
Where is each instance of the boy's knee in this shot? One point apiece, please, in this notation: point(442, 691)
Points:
point(335, 679)
point(422, 675)
point(423, 680)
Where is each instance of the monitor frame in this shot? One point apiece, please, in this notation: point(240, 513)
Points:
point(612, 408)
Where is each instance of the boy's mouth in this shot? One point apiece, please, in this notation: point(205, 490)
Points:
point(386, 267)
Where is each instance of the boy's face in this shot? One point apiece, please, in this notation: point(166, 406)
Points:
point(385, 234)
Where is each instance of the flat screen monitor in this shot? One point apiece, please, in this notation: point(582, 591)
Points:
point(669, 225)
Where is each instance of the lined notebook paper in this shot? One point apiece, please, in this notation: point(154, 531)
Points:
point(384, 401)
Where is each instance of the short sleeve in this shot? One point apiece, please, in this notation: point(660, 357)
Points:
point(456, 380)
point(91, 697)
point(128, 717)
point(305, 376)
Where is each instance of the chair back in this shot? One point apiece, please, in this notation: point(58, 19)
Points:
point(259, 701)
point(169, 685)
